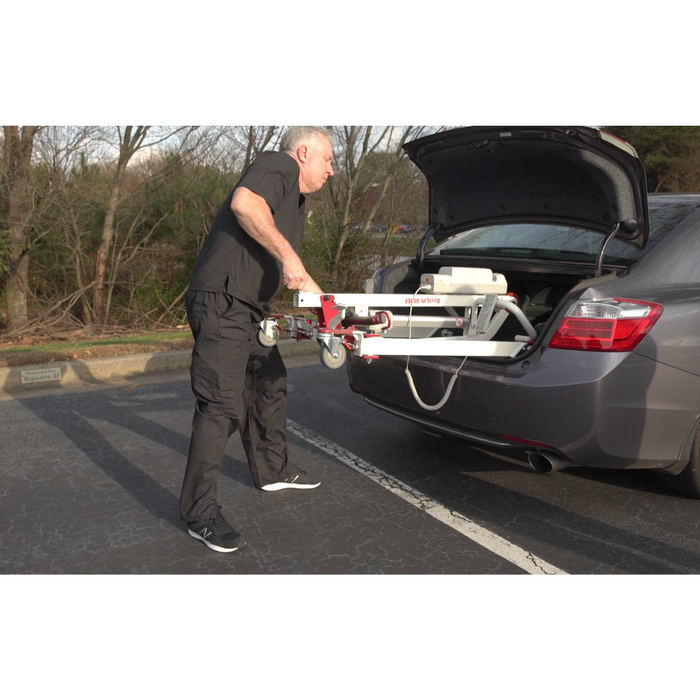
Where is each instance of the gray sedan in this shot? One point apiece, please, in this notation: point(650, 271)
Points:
point(608, 277)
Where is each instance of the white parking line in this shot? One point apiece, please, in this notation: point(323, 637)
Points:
point(487, 539)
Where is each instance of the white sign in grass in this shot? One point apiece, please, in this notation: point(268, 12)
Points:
point(45, 374)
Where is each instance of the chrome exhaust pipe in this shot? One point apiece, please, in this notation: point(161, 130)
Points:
point(547, 462)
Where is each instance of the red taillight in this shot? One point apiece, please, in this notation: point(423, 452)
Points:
point(614, 325)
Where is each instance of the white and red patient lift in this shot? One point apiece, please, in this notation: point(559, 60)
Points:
point(476, 301)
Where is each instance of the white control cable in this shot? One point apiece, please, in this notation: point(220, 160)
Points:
point(422, 404)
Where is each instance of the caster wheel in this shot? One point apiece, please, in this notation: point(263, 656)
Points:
point(333, 362)
point(266, 340)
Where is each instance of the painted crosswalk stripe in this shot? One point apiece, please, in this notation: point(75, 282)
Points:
point(487, 539)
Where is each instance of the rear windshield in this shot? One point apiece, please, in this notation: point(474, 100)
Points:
point(547, 242)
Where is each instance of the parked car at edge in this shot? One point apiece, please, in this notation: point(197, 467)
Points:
point(608, 275)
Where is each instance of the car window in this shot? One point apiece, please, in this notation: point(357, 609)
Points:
point(662, 219)
point(549, 242)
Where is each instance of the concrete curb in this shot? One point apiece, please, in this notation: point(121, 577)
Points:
point(16, 381)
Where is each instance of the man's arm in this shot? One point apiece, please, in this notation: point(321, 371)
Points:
point(255, 217)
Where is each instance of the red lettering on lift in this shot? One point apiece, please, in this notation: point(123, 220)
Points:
point(422, 300)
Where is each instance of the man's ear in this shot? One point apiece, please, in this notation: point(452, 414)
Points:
point(303, 153)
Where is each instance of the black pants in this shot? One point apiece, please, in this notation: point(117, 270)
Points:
point(238, 384)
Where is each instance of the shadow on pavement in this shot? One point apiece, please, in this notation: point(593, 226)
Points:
point(73, 415)
point(516, 515)
point(568, 522)
point(560, 519)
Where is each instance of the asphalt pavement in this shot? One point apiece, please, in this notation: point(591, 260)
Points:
point(92, 480)
point(92, 473)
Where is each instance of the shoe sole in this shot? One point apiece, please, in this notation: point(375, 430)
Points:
point(215, 547)
point(281, 485)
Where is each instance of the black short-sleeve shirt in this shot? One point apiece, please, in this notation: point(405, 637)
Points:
point(232, 261)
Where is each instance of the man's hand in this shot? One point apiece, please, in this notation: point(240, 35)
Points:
point(312, 287)
point(295, 276)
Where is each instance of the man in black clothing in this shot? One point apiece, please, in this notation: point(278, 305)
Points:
point(252, 250)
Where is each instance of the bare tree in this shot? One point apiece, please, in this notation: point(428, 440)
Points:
point(246, 143)
point(120, 213)
point(358, 173)
point(16, 171)
point(130, 140)
point(73, 164)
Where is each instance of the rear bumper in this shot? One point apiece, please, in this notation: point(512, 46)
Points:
point(609, 410)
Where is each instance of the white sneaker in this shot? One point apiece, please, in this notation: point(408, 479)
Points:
point(300, 481)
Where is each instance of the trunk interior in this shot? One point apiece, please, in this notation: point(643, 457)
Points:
point(540, 288)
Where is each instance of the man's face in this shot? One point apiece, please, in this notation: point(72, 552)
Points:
point(314, 164)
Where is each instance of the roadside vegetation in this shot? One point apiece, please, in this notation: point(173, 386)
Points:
point(75, 346)
point(100, 226)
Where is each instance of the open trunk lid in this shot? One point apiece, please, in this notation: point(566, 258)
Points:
point(571, 176)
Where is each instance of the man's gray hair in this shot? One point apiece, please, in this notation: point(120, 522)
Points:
point(296, 136)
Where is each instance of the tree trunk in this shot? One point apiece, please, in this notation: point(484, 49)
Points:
point(249, 148)
point(103, 250)
point(353, 177)
point(17, 156)
point(129, 143)
point(353, 171)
